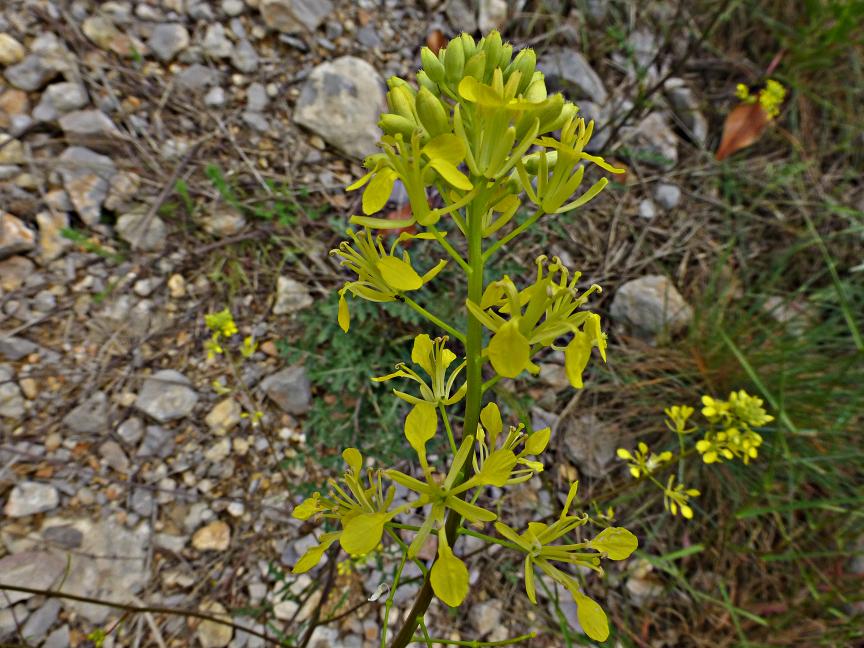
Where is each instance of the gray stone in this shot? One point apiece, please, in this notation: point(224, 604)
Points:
point(110, 564)
point(368, 37)
point(568, 71)
point(142, 502)
point(131, 430)
point(15, 237)
point(31, 74)
point(11, 150)
point(166, 396)
point(29, 498)
point(461, 15)
point(90, 417)
point(141, 230)
point(256, 97)
point(492, 14)
point(167, 40)
point(60, 638)
point(59, 99)
point(291, 296)
point(667, 195)
point(245, 57)
point(651, 305)
point(105, 35)
point(216, 44)
point(486, 616)
point(39, 569)
point(289, 389)
point(12, 618)
point(197, 77)
point(211, 634)
point(63, 536)
point(114, 456)
point(215, 97)
point(647, 209)
point(590, 443)
point(86, 178)
point(256, 121)
point(341, 101)
point(686, 108)
point(291, 16)
point(122, 188)
point(91, 128)
point(15, 348)
point(652, 142)
point(41, 620)
point(201, 11)
point(223, 222)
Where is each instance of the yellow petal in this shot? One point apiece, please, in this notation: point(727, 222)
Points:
point(421, 353)
point(446, 147)
point(591, 617)
point(538, 441)
point(497, 468)
point(398, 274)
point(449, 577)
point(509, 351)
point(354, 459)
point(420, 426)
point(344, 317)
point(378, 191)
point(616, 542)
point(490, 417)
point(451, 174)
point(362, 533)
point(576, 356)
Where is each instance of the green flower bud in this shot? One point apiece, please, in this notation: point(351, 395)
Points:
point(401, 101)
point(425, 82)
point(468, 45)
point(476, 66)
point(454, 61)
point(524, 63)
point(433, 67)
point(505, 56)
point(433, 115)
point(393, 124)
point(493, 47)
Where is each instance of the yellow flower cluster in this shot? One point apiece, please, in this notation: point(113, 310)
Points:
point(770, 97)
point(735, 418)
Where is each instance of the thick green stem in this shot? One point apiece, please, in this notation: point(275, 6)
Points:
point(473, 398)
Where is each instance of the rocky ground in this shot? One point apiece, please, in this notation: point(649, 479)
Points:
point(124, 475)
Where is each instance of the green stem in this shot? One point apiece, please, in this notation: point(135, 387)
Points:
point(389, 604)
point(434, 319)
point(450, 436)
point(477, 644)
point(516, 232)
point(473, 398)
point(444, 243)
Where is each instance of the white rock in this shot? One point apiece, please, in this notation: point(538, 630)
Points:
point(567, 70)
point(651, 305)
point(492, 15)
point(216, 43)
point(59, 99)
point(29, 498)
point(167, 40)
point(166, 396)
point(90, 417)
point(86, 178)
point(215, 97)
point(141, 232)
point(341, 101)
point(291, 296)
point(15, 237)
point(647, 209)
point(38, 569)
point(212, 634)
point(215, 536)
point(486, 616)
point(245, 57)
point(289, 389)
point(224, 416)
point(667, 195)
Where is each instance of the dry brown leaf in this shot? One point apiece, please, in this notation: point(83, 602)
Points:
point(743, 126)
point(436, 40)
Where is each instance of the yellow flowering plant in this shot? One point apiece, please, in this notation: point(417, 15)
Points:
point(479, 131)
point(728, 434)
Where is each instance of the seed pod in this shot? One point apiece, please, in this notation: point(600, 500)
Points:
point(433, 67)
point(397, 124)
point(476, 66)
point(433, 115)
point(454, 61)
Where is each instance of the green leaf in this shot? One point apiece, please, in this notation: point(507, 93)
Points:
point(509, 351)
point(449, 577)
point(591, 617)
point(362, 533)
point(616, 542)
point(420, 426)
point(354, 459)
point(576, 355)
point(398, 274)
point(451, 174)
point(447, 147)
point(378, 191)
point(497, 468)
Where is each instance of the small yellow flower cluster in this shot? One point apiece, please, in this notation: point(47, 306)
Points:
point(734, 436)
point(770, 97)
point(676, 498)
point(223, 326)
point(641, 463)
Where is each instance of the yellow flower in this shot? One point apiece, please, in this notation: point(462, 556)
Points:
point(676, 498)
point(771, 97)
point(434, 358)
point(640, 462)
point(742, 92)
point(221, 323)
point(678, 417)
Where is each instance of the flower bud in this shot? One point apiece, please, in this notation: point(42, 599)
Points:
point(392, 124)
point(524, 63)
point(432, 65)
point(401, 101)
point(493, 47)
point(454, 61)
point(468, 45)
point(433, 116)
point(425, 82)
